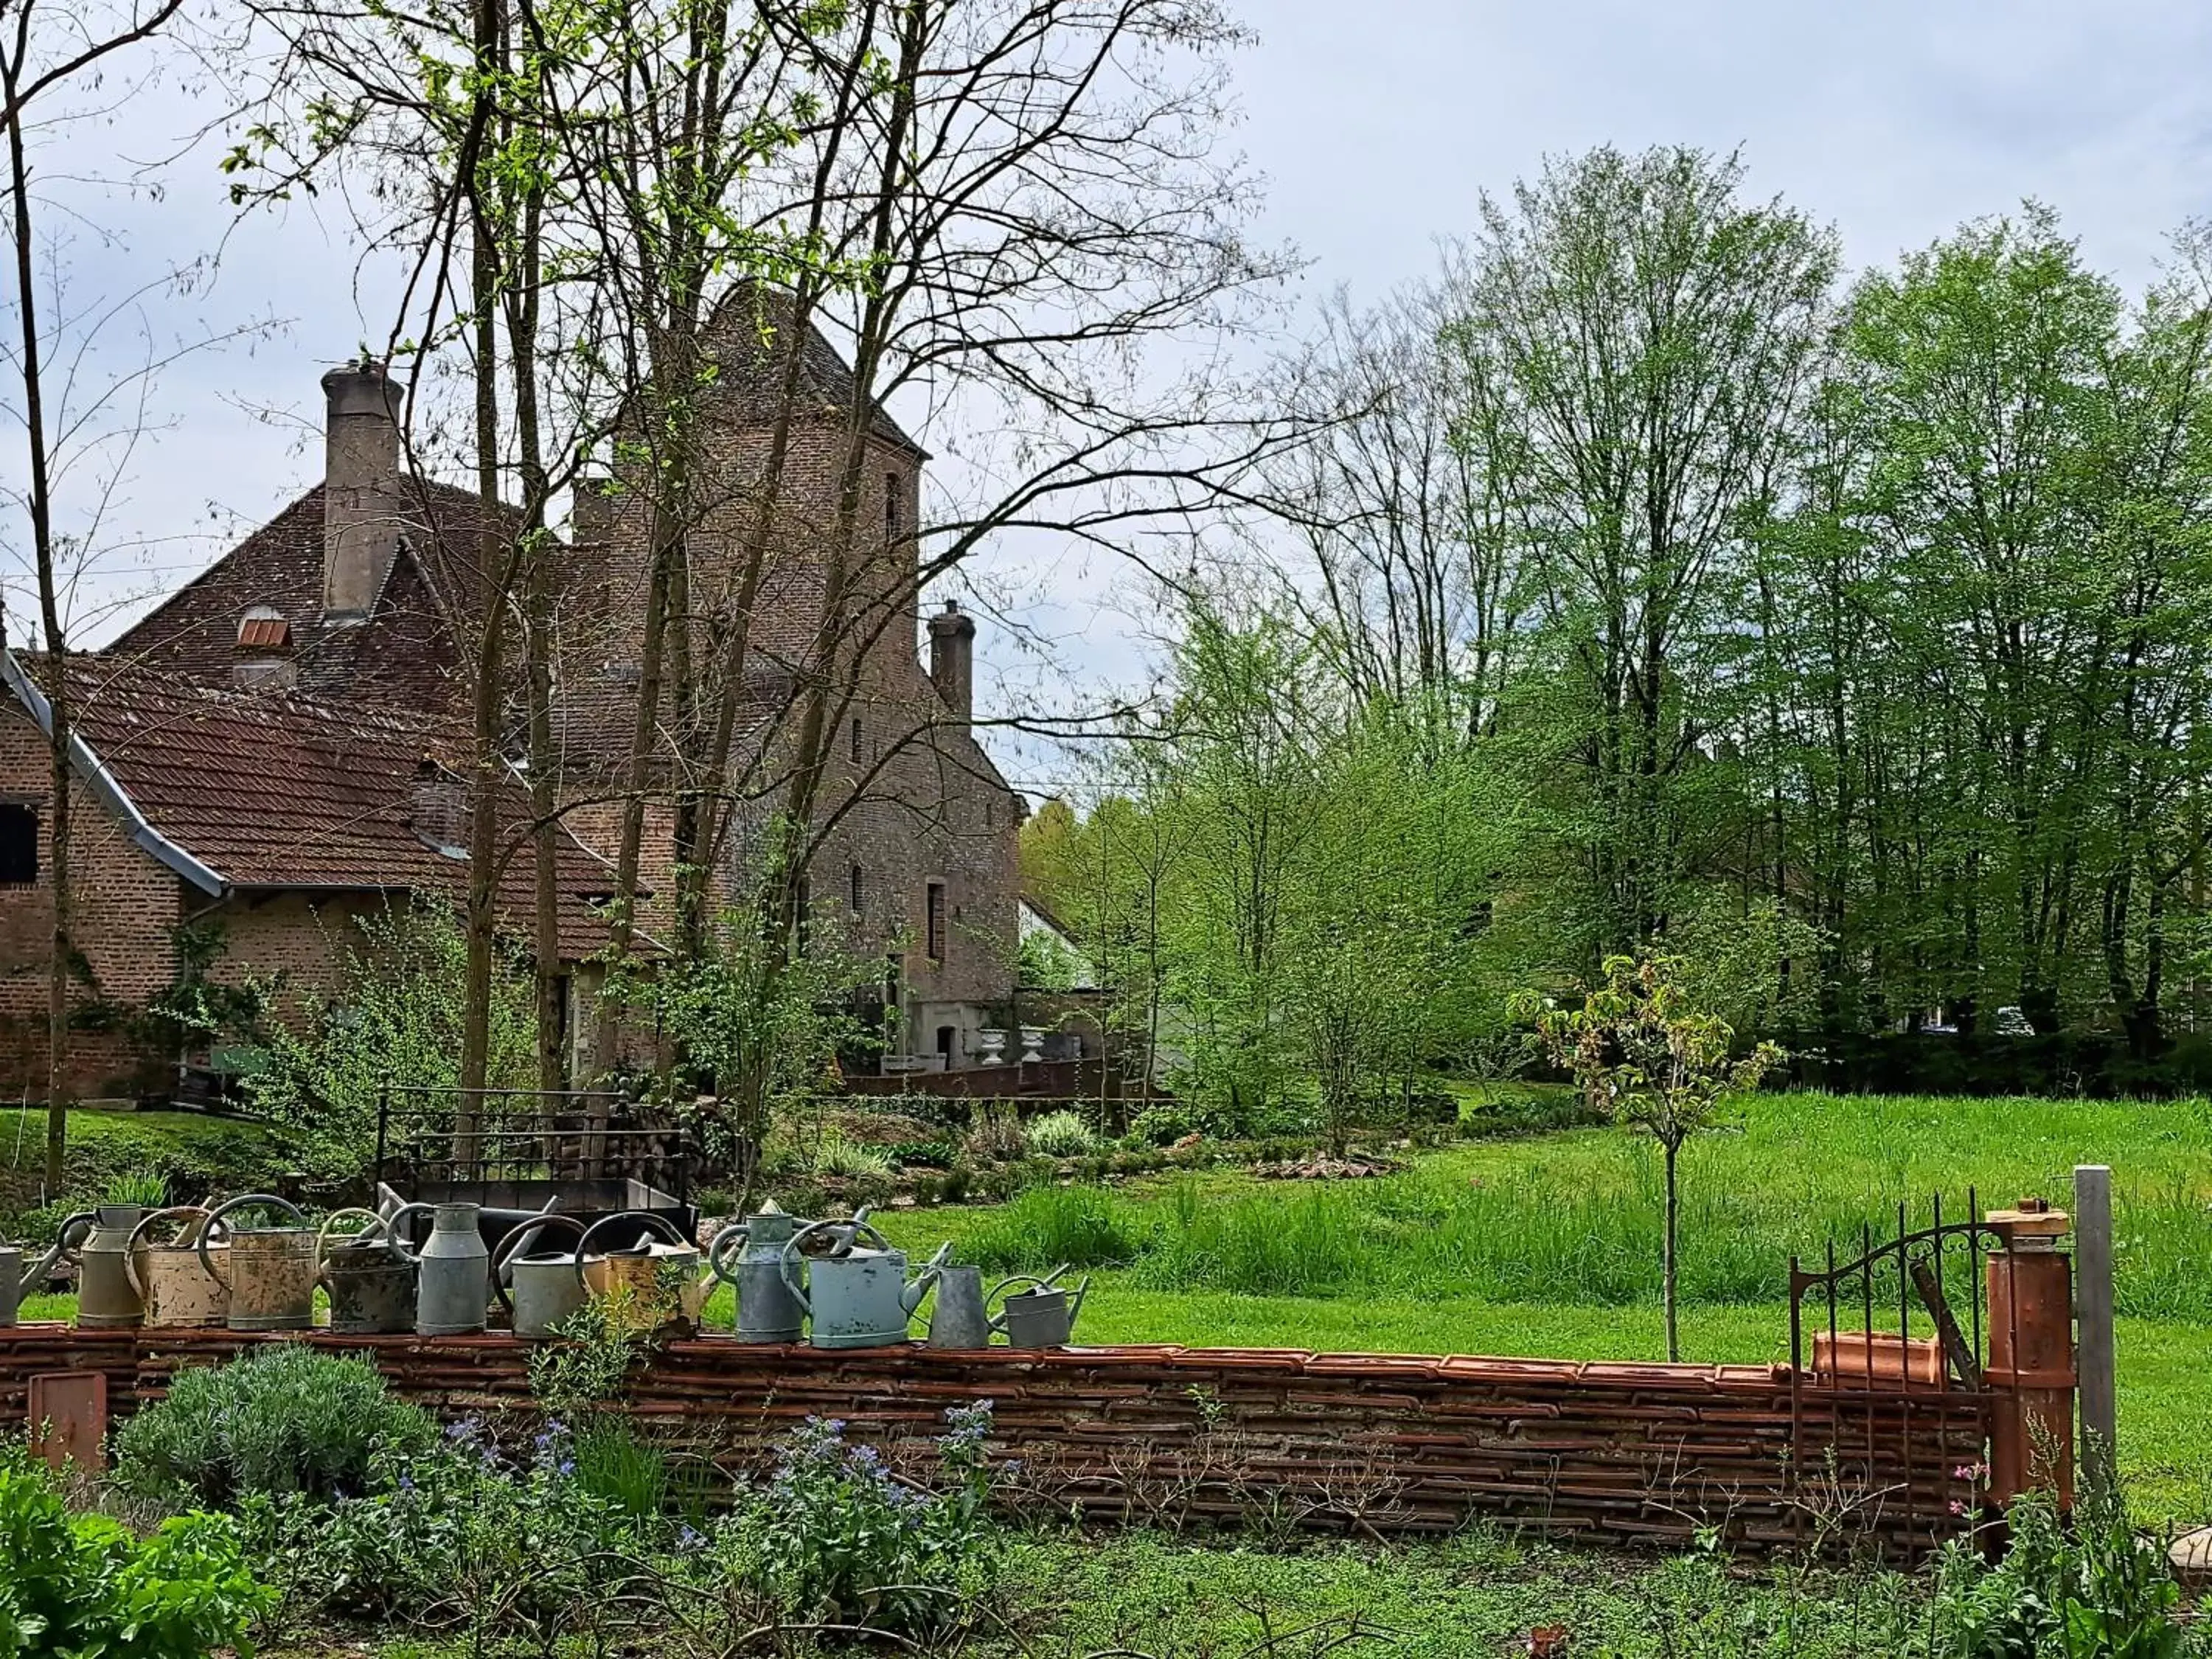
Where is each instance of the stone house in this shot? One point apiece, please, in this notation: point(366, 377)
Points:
point(273, 747)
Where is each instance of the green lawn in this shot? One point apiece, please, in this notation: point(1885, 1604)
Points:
point(197, 1153)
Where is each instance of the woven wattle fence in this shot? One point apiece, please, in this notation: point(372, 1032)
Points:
point(1373, 1444)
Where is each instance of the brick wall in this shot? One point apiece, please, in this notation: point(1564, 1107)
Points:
point(127, 906)
point(1630, 1454)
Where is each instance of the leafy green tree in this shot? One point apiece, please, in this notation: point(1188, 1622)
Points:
point(1645, 1054)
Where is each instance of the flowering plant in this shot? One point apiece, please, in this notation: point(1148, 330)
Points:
point(840, 1537)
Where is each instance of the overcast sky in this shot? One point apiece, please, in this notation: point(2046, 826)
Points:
point(1377, 124)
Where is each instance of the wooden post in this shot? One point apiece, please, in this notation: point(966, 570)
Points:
point(2096, 1357)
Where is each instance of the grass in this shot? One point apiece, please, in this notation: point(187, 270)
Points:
point(193, 1153)
point(1481, 1592)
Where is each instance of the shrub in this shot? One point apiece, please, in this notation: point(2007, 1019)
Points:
point(837, 1538)
point(1163, 1126)
point(85, 1585)
point(1048, 1227)
point(1060, 1134)
point(835, 1155)
point(2105, 1589)
point(278, 1419)
point(994, 1136)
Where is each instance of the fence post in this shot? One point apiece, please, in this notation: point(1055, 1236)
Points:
point(2096, 1359)
point(2031, 1368)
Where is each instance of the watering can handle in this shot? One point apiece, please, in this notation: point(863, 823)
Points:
point(214, 1220)
point(131, 1246)
point(932, 1270)
point(792, 1258)
point(503, 1259)
point(361, 1234)
point(717, 1248)
point(660, 1223)
point(998, 1322)
point(392, 1230)
point(62, 1247)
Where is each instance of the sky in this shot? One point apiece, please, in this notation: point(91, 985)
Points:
point(1378, 126)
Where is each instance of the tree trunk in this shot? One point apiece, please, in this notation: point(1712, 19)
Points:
point(59, 949)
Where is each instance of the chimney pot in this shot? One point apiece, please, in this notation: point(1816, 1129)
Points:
point(361, 486)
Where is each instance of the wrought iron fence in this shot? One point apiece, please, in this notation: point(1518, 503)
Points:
point(432, 1138)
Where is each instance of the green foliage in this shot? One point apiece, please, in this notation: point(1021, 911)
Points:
point(146, 1190)
point(1048, 1226)
point(1045, 962)
point(280, 1419)
point(84, 1585)
point(395, 1022)
point(197, 1010)
point(1062, 1134)
point(835, 1155)
point(839, 1538)
point(2102, 1591)
point(1162, 1125)
point(757, 1027)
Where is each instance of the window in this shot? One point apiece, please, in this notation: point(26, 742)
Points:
point(890, 509)
point(860, 747)
point(935, 918)
point(860, 889)
point(19, 845)
point(986, 811)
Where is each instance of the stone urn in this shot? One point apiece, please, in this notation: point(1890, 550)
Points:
point(1032, 1044)
point(991, 1043)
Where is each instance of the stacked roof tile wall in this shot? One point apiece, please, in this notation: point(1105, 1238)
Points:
point(1377, 1443)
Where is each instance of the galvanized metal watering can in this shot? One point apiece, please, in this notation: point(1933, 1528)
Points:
point(453, 1270)
point(271, 1272)
point(956, 1318)
point(767, 1311)
point(18, 1281)
point(857, 1298)
point(99, 1243)
point(546, 1287)
point(1042, 1317)
point(665, 1284)
point(178, 1291)
point(369, 1279)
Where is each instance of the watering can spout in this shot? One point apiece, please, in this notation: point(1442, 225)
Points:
point(932, 1270)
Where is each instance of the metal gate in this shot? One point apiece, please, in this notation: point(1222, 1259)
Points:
point(1890, 1403)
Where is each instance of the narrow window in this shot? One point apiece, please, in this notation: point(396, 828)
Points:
point(19, 846)
point(936, 921)
point(860, 891)
point(890, 509)
point(858, 748)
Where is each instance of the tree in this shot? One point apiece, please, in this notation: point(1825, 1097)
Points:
point(47, 53)
point(1643, 1053)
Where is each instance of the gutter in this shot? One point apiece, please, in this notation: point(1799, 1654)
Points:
point(110, 793)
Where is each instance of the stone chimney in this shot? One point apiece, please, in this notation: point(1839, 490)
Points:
point(952, 660)
point(361, 487)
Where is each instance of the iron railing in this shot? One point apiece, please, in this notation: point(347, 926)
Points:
point(458, 1139)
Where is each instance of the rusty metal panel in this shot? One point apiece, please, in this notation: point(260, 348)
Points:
point(68, 1414)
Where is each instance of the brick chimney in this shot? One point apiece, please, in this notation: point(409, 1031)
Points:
point(361, 487)
point(952, 660)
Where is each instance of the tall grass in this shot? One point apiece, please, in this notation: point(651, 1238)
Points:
point(1575, 1218)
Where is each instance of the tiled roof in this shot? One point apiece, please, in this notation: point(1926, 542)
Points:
point(279, 793)
point(401, 655)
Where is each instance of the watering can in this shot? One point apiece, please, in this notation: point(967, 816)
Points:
point(667, 1283)
point(453, 1270)
point(547, 1287)
point(370, 1280)
point(767, 1311)
point(857, 1298)
point(178, 1293)
point(957, 1318)
point(99, 1243)
point(271, 1271)
point(18, 1281)
point(1042, 1316)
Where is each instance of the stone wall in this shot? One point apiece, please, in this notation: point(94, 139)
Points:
point(1375, 1443)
